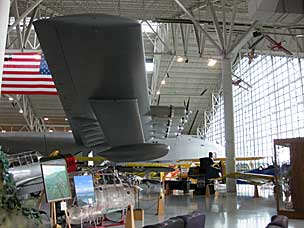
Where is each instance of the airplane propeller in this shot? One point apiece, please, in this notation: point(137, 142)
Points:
point(193, 121)
point(203, 92)
point(187, 104)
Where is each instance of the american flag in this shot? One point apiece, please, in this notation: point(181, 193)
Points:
point(27, 73)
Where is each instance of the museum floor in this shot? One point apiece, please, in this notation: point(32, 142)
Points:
point(225, 210)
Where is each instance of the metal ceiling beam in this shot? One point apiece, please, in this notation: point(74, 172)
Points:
point(193, 95)
point(205, 21)
point(18, 30)
point(202, 44)
point(4, 16)
point(242, 41)
point(154, 79)
point(11, 44)
point(206, 121)
point(200, 40)
point(197, 37)
point(165, 74)
point(29, 27)
point(47, 9)
point(160, 39)
point(25, 14)
point(224, 22)
point(185, 38)
point(149, 38)
point(39, 50)
point(199, 26)
point(46, 125)
point(33, 122)
point(216, 25)
point(231, 24)
point(173, 34)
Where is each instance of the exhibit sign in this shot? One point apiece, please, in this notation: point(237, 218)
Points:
point(84, 188)
point(56, 182)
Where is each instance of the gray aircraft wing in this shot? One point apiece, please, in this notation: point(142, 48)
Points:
point(97, 63)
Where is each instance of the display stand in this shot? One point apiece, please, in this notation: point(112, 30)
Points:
point(130, 223)
point(162, 181)
point(160, 205)
point(139, 214)
point(54, 216)
point(67, 218)
point(289, 178)
point(39, 204)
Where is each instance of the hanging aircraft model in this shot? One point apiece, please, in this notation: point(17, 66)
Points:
point(274, 45)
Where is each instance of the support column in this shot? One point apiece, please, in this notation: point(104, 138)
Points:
point(229, 121)
point(4, 16)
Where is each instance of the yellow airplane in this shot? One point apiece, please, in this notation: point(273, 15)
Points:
point(251, 178)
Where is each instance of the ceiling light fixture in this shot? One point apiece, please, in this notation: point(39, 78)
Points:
point(158, 92)
point(163, 82)
point(20, 111)
point(180, 59)
point(300, 36)
point(45, 118)
point(70, 131)
point(212, 62)
point(3, 131)
point(51, 130)
point(10, 98)
point(65, 119)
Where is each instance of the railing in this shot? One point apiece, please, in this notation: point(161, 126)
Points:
point(24, 158)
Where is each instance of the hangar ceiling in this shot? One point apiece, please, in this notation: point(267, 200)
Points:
point(168, 35)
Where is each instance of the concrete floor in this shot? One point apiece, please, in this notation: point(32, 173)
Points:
point(225, 210)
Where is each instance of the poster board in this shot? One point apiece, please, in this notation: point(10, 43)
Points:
point(56, 182)
point(84, 189)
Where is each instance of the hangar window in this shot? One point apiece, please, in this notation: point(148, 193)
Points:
point(149, 67)
point(273, 108)
point(148, 28)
